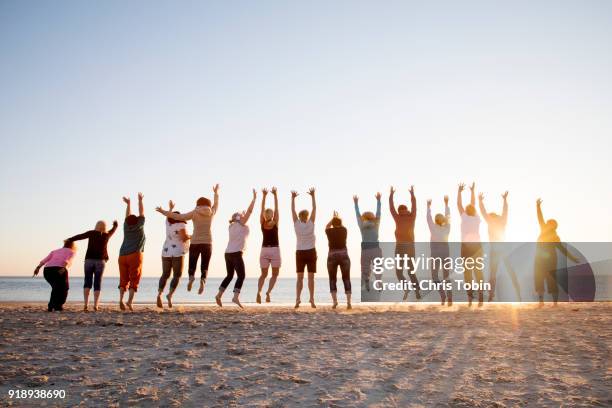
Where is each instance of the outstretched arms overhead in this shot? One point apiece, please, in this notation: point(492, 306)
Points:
point(473, 194)
point(505, 208)
point(293, 213)
point(249, 210)
point(459, 199)
point(483, 210)
point(140, 205)
point(540, 215)
point(216, 198)
point(378, 196)
point(274, 193)
point(313, 213)
point(128, 209)
point(392, 202)
point(264, 193)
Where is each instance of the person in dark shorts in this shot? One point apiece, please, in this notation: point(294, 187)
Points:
point(306, 253)
point(338, 258)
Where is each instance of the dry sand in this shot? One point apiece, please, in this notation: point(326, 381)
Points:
point(269, 356)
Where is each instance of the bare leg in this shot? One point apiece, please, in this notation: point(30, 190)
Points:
point(334, 296)
point(298, 289)
point(159, 300)
point(236, 299)
point(348, 301)
point(132, 292)
point(275, 272)
point(218, 297)
point(86, 298)
point(169, 297)
point(121, 293)
point(202, 284)
point(260, 283)
point(96, 300)
point(311, 286)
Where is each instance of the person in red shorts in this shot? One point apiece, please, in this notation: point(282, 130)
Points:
point(130, 253)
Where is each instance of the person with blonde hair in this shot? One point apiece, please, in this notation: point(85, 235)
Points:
point(439, 229)
point(238, 233)
point(201, 239)
point(95, 260)
point(306, 253)
point(270, 251)
point(471, 247)
point(369, 224)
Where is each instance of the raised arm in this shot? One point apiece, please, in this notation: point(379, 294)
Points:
point(392, 202)
point(473, 194)
point(357, 212)
point(378, 196)
point(430, 221)
point(459, 200)
point(174, 216)
point(249, 210)
point(274, 193)
point(215, 199)
point(79, 237)
point(293, 213)
point(128, 209)
point(540, 215)
point(413, 204)
point(563, 248)
point(329, 224)
point(313, 213)
point(140, 205)
point(446, 209)
point(264, 194)
point(505, 209)
point(483, 210)
point(112, 230)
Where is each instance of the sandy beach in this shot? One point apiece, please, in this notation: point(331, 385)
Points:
point(401, 355)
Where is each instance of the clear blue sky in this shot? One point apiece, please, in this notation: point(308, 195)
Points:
point(103, 99)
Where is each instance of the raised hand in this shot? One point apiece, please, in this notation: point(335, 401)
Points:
point(461, 187)
point(264, 191)
point(539, 202)
point(446, 199)
point(274, 190)
point(126, 200)
point(159, 210)
point(411, 189)
point(505, 195)
point(392, 190)
point(355, 198)
point(115, 223)
point(378, 195)
point(481, 196)
point(254, 194)
point(294, 194)
point(311, 191)
point(473, 186)
point(335, 214)
point(429, 203)
point(216, 188)
point(171, 205)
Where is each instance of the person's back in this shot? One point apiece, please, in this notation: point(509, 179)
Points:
point(470, 228)
point(59, 258)
point(336, 237)
point(238, 234)
point(304, 232)
point(133, 237)
point(497, 228)
point(404, 227)
point(202, 220)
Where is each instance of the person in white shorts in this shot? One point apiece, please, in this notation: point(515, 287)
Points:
point(270, 251)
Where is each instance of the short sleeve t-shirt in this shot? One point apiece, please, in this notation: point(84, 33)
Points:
point(304, 231)
point(238, 234)
point(470, 228)
point(174, 245)
point(133, 237)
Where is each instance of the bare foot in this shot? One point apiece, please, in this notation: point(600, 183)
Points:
point(129, 306)
point(480, 303)
point(237, 301)
point(202, 283)
point(218, 300)
point(312, 304)
point(169, 298)
point(450, 302)
point(121, 305)
point(159, 302)
point(297, 303)
point(85, 308)
point(405, 295)
point(267, 298)
point(470, 302)
point(190, 284)
point(349, 306)
point(258, 298)
point(96, 308)
point(335, 305)
point(418, 295)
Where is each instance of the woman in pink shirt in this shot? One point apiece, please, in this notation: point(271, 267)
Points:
point(56, 273)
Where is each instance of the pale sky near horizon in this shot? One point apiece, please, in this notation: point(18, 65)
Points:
point(104, 99)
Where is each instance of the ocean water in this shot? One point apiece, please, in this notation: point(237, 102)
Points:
point(27, 289)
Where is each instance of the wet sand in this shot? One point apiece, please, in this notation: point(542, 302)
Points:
point(423, 355)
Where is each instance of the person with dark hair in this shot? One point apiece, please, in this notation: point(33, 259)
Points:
point(497, 228)
point(270, 251)
point(95, 259)
point(369, 224)
point(471, 247)
point(238, 233)
point(131, 252)
point(545, 264)
point(306, 252)
point(174, 249)
point(56, 274)
point(404, 236)
point(439, 228)
point(201, 239)
point(338, 257)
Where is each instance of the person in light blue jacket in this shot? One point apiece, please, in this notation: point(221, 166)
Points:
point(368, 225)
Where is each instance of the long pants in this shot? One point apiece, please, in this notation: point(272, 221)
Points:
point(171, 265)
point(233, 263)
point(406, 248)
point(94, 268)
point(130, 270)
point(195, 250)
point(367, 258)
point(58, 279)
point(340, 259)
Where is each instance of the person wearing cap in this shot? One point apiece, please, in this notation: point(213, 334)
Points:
point(238, 233)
